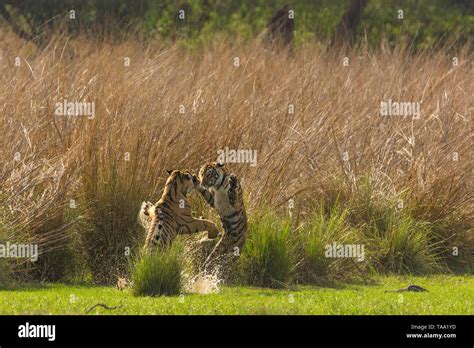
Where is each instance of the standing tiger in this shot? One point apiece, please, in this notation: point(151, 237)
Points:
point(172, 214)
point(223, 192)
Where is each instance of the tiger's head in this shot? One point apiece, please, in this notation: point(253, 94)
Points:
point(183, 179)
point(212, 174)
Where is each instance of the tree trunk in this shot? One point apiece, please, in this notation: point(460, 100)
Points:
point(346, 29)
point(280, 30)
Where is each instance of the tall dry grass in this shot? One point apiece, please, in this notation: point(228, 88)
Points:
point(299, 155)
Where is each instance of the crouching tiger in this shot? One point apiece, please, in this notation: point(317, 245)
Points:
point(223, 192)
point(172, 214)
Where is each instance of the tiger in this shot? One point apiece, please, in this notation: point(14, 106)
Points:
point(171, 215)
point(223, 192)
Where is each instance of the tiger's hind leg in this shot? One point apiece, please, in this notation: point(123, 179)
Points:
point(199, 225)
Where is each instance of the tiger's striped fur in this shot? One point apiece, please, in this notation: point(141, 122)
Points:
point(172, 214)
point(223, 192)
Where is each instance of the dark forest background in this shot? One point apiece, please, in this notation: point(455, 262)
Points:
point(425, 23)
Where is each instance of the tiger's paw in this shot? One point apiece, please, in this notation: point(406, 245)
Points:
point(233, 182)
point(234, 185)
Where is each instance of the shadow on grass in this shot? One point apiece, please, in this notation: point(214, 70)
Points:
point(303, 286)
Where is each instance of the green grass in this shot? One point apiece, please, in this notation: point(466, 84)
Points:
point(159, 273)
point(268, 257)
point(320, 230)
point(447, 295)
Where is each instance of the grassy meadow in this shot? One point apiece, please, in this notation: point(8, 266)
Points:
point(448, 295)
point(330, 169)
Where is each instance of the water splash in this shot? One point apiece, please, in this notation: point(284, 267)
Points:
point(210, 277)
point(203, 283)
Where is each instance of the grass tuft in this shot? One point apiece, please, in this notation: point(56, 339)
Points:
point(268, 256)
point(159, 273)
point(323, 229)
point(402, 245)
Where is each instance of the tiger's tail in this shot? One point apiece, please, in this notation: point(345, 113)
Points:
point(148, 219)
point(145, 216)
